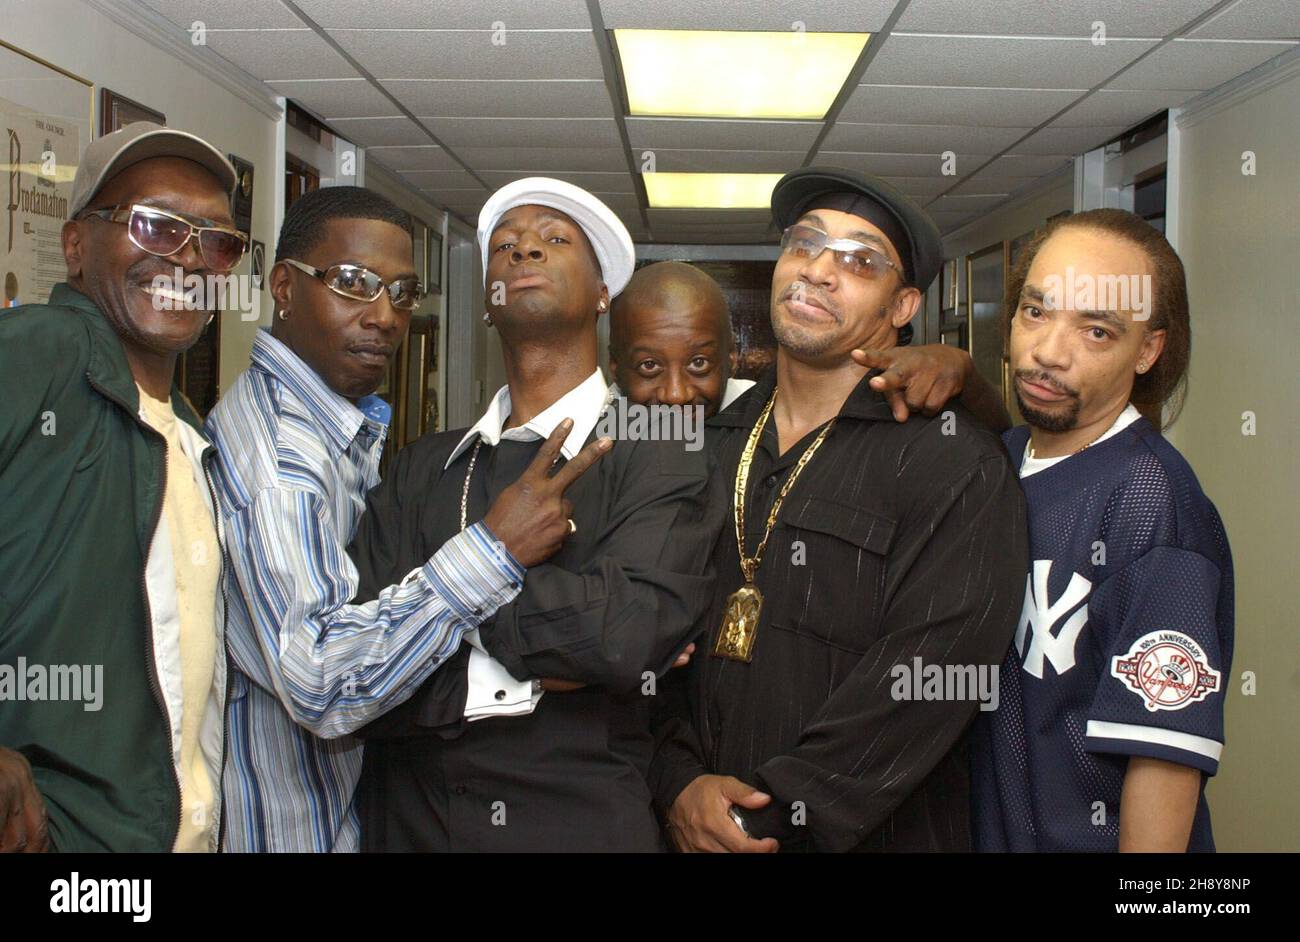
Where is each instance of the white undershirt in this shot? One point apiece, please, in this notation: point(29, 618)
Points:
point(1030, 465)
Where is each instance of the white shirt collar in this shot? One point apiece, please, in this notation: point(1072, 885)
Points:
point(735, 389)
point(1030, 466)
point(583, 403)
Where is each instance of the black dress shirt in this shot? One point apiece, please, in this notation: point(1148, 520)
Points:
point(622, 597)
point(898, 541)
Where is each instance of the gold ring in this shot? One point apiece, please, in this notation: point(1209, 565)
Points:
point(573, 527)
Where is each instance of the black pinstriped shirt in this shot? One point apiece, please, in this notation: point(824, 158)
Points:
point(898, 542)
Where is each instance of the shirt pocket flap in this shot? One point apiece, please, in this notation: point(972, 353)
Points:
point(868, 529)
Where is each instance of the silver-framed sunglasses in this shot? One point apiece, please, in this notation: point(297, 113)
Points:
point(856, 258)
point(357, 283)
point(164, 233)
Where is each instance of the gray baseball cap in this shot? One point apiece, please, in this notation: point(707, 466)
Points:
point(107, 156)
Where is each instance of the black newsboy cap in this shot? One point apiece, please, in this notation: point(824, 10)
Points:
point(798, 192)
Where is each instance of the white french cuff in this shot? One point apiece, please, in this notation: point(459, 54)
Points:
point(492, 691)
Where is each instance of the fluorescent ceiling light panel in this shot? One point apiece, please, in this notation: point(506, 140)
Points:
point(710, 190)
point(727, 74)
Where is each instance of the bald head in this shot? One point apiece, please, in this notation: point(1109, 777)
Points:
point(670, 337)
point(668, 287)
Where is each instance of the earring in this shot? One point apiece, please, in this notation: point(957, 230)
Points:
point(487, 318)
point(1142, 367)
point(283, 314)
point(600, 306)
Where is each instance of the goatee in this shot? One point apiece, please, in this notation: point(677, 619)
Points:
point(1048, 421)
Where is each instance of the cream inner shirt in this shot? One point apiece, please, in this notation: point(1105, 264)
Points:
point(196, 556)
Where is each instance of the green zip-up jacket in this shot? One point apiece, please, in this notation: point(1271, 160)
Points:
point(87, 585)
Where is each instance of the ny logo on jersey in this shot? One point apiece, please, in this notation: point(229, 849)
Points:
point(1040, 615)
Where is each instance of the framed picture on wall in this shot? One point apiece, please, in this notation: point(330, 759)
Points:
point(420, 256)
point(986, 279)
point(46, 121)
point(747, 288)
point(433, 262)
point(117, 111)
point(241, 204)
point(421, 340)
point(198, 369)
point(955, 336)
point(1016, 246)
point(950, 312)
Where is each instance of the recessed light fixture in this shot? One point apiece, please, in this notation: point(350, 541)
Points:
point(729, 74)
point(710, 190)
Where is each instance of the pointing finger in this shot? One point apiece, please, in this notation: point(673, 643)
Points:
point(873, 359)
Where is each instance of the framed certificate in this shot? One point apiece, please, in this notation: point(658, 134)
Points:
point(46, 116)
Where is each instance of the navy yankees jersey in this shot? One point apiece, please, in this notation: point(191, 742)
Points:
point(1122, 649)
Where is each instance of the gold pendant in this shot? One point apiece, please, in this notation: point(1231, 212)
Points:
point(740, 624)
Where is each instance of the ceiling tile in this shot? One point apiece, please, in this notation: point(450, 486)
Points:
point(1198, 64)
point(708, 134)
point(1062, 140)
point(280, 55)
point(824, 16)
point(950, 222)
point(450, 14)
point(535, 132)
point(919, 138)
point(984, 183)
point(1154, 18)
point(229, 14)
point(616, 182)
point(338, 98)
point(425, 157)
point(999, 61)
point(1115, 106)
point(380, 132)
point(1254, 19)
point(940, 105)
point(457, 98)
point(897, 165)
point(625, 204)
point(411, 54)
point(726, 161)
point(543, 159)
point(1026, 165)
point(966, 204)
point(919, 188)
point(457, 204)
point(441, 180)
point(464, 199)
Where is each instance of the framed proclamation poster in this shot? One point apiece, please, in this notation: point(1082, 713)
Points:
point(45, 116)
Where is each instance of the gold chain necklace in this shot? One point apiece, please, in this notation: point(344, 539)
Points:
point(1071, 454)
point(740, 619)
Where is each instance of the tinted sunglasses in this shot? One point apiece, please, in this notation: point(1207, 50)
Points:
point(854, 257)
point(160, 232)
point(361, 284)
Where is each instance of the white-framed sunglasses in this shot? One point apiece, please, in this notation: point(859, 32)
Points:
point(856, 258)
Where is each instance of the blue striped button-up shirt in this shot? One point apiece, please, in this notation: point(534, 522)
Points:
point(295, 462)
